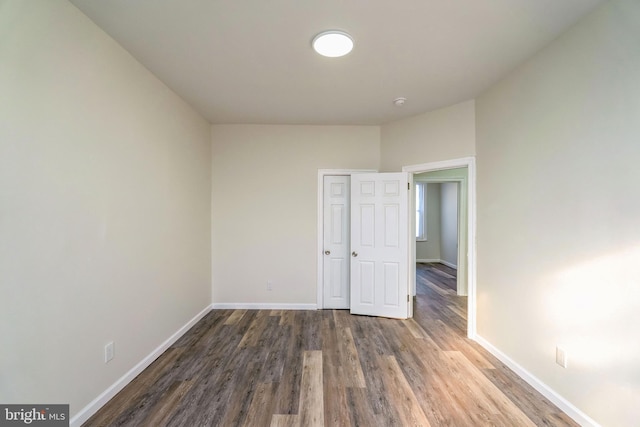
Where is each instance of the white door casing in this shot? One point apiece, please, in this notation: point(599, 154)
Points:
point(470, 209)
point(380, 245)
point(336, 241)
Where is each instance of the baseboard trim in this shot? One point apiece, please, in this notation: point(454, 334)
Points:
point(93, 407)
point(262, 306)
point(441, 261)
point(567, 407)
point(449, 264)
point(428, 260)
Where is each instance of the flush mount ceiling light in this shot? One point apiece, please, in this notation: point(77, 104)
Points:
point(332, 43)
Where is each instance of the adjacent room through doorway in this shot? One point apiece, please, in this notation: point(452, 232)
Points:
point(439, 296)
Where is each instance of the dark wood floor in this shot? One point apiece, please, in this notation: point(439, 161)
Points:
point(314, 368)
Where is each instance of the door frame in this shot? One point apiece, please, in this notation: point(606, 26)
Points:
point(470, 164)
point(320, 225)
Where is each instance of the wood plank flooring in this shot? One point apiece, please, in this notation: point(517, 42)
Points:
point(328, 368)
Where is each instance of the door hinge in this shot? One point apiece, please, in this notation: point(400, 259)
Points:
point(408, 186)
point(408, 298)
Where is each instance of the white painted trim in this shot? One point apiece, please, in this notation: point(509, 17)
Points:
point(448, 264)
point(470, 164)
point(262, 306)
point(320, 225)
point(436, 180)
point(442, 165)
point(567, 407)
point(471, 235)
point(427, 260)
point(85, 413)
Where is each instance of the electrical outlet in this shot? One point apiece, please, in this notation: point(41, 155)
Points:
point(109, 352)
point(561, 357)
point(269, 285)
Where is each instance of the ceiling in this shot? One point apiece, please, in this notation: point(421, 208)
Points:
point(251, 61)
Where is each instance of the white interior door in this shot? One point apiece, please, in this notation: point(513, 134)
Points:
point(336, 241)
point(380, 245)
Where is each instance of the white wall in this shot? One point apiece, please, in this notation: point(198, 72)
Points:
point(449, 223)
point(104, 207)
point(558, 144)
point(265, 181)
point(430, 249)
point(444, 134)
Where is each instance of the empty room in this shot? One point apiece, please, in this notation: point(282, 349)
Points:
point(320, 213)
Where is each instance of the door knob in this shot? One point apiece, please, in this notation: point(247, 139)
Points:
point(354, 254)
point(327, 252)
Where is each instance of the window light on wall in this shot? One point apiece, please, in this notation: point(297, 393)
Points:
point(421, 211)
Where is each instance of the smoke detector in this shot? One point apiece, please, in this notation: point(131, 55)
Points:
point(399, 102)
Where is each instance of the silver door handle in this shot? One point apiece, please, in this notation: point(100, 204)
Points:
point(354, 254)
point(327, 252)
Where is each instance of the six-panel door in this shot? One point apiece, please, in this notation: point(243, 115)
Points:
point(336, 241)
point(379, 244)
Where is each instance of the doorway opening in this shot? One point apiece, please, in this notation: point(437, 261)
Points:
point(462, 172)
point(441, 229)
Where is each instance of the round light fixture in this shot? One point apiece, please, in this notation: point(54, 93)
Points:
point(332, 43)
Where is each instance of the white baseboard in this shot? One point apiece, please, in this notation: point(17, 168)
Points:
point(449, 264)
point(86, 412)
point(567, 407)
point(262, 306)
point(428, 260)
point(441, 261)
